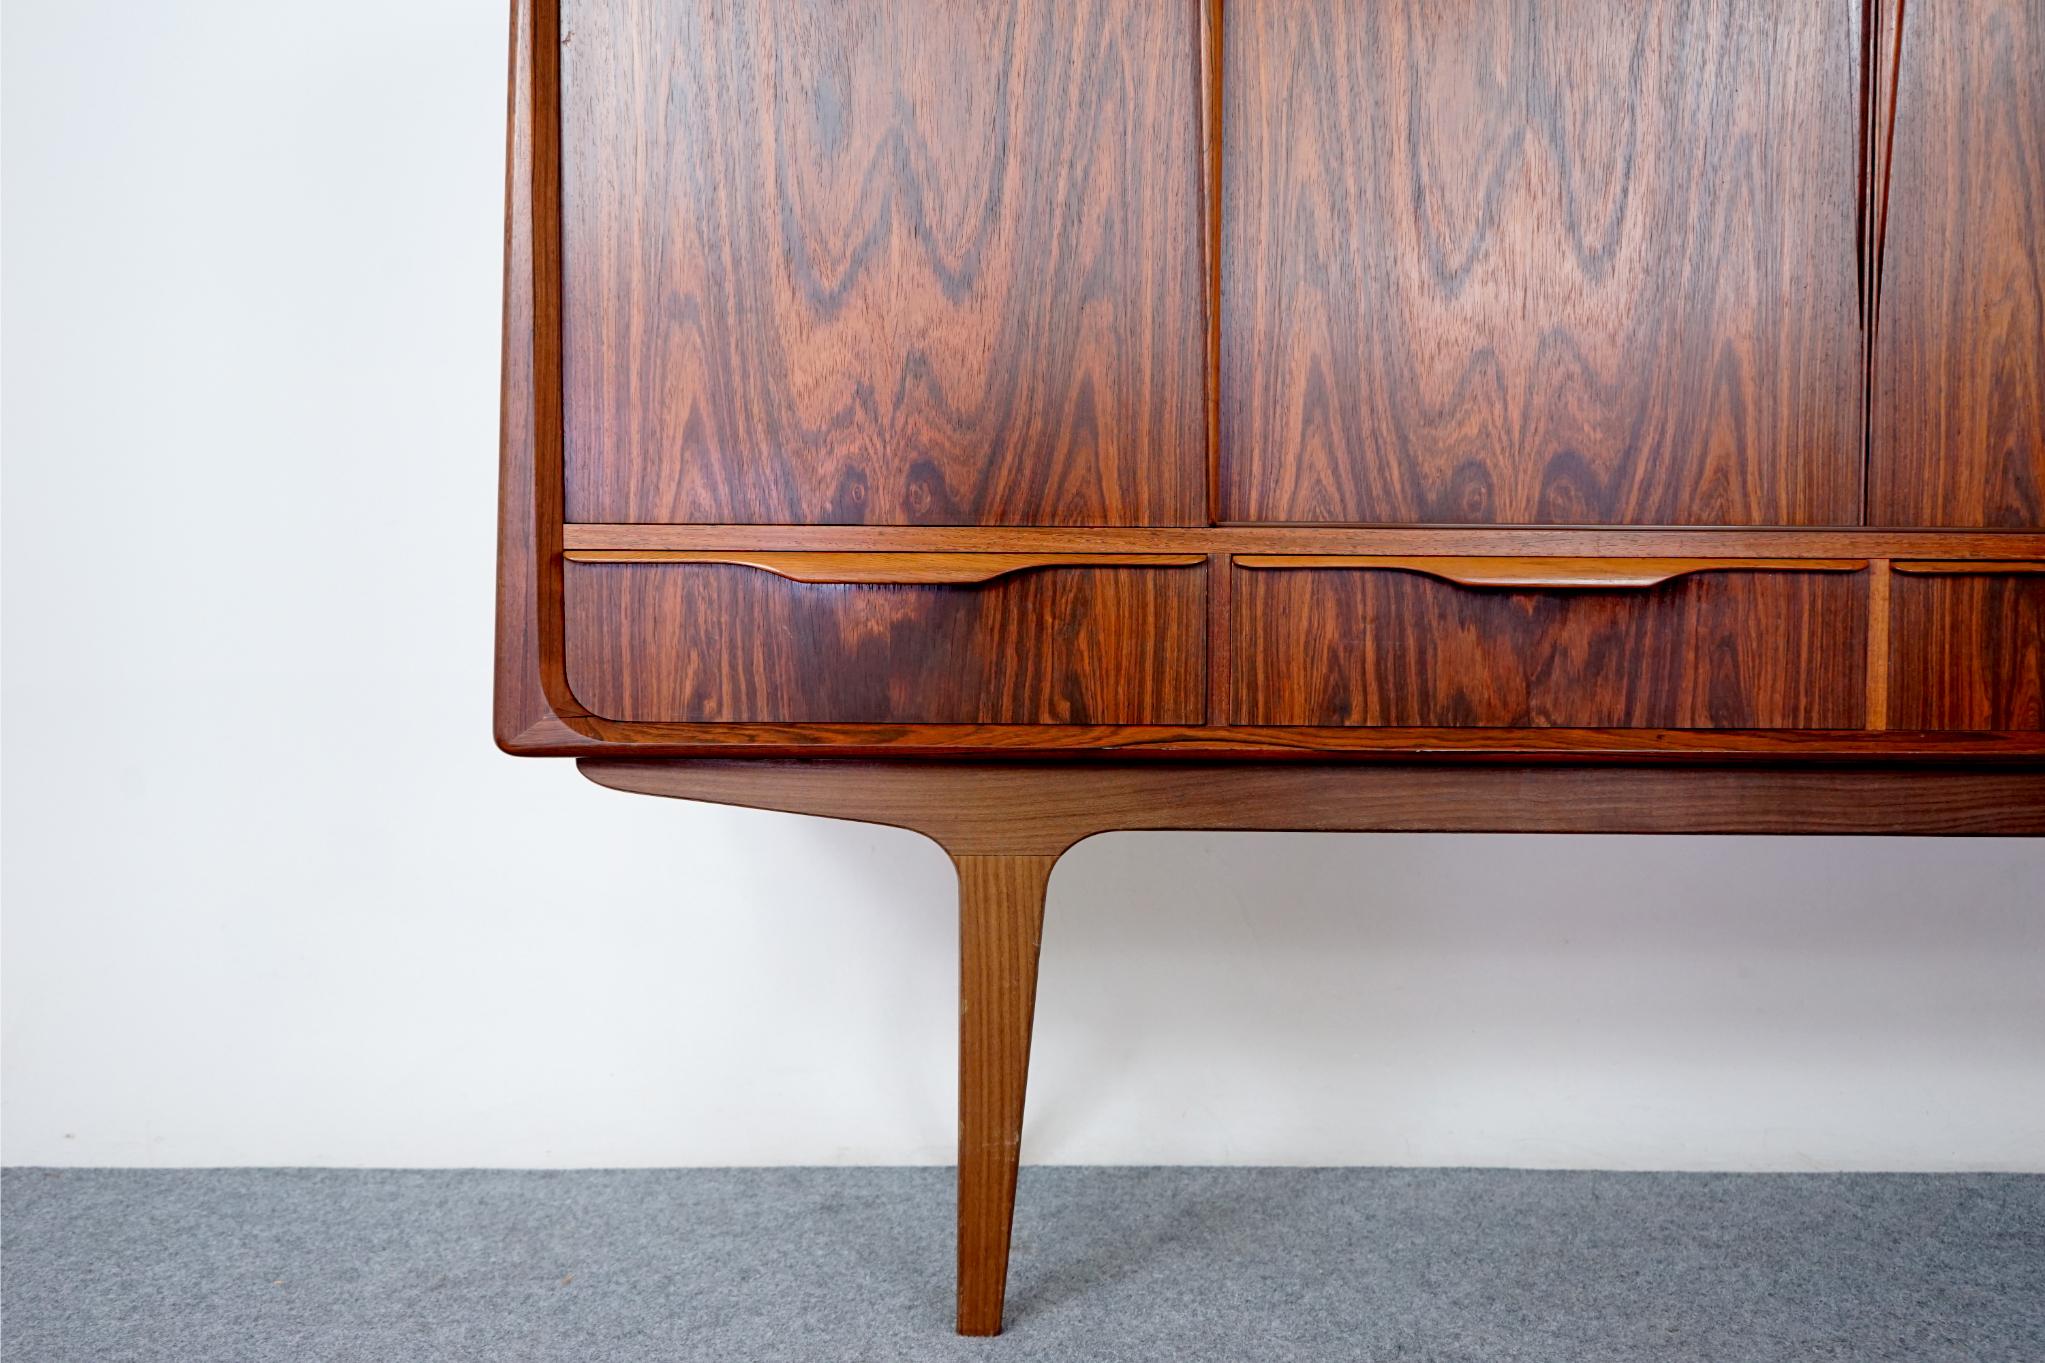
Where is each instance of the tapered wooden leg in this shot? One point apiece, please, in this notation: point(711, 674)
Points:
point(1001, 922)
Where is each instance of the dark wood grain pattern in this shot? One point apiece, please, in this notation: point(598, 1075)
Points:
point(1001, 925)
point(1740, 650)
point(710, 642)
point(1516, 261)
point(884, 261)
point(1967, 650)
point(537, 713)
point(1959, 379)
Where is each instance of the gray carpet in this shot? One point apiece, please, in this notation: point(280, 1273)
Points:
point(818, 1266)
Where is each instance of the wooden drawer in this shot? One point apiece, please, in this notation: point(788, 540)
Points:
point(888, 638)
point(1967, 646)
point(1575, 643)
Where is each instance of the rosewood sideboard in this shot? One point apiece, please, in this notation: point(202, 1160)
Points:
point(1019, 419)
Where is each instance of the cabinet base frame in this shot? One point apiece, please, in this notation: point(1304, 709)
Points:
point(1006, 824)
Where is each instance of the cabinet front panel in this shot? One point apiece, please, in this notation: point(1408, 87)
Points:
point(1967, 650)
point(1541, 263)
point(883, 261)
point(1959, 416)
point(1714, 650)
point(699, 642)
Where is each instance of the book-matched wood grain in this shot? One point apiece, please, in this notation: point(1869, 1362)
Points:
point(1530, 262)
point(1958, 434)
point(662, 643)
point(1967, 646)
point(538, 713)
point(1394, 647)
point(885, 261)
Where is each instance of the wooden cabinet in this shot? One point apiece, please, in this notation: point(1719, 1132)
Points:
point(1527, 262)
point(1959, 359)
point(1171, 377)
point(1018, 419)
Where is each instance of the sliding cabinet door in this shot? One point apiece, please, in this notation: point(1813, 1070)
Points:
point(1959, 414)
point(1534, 262)
point(929, 262)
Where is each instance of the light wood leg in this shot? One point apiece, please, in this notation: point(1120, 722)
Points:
point(1001, 922)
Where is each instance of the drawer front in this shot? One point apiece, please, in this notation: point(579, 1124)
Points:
point(683, 642)
point(1967, 646)
point(1446, 643)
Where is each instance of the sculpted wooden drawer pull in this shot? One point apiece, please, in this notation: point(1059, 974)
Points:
point(1581, 574)
point(882, 569)
point(1969, 567)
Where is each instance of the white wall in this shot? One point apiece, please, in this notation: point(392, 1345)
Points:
point(273, 898)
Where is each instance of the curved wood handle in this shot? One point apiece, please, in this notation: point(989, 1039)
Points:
point(1553, 574)
point(1973, 567)
point(882, 569)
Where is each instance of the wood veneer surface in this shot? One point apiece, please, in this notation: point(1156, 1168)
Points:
point(1531, 262)
point(1378, 647)
point(1967, 650)
point(719, 642)
point(890, 261)
point(1959, 378)
point(539, 713)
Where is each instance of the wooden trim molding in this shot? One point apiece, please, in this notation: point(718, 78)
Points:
point(1878, 630)
point(1213, 29)
point(1549, 573)
point(938, 569)
point(1396, 541)
point(534, 711)
point(1044, 808)
point(1169, 745)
